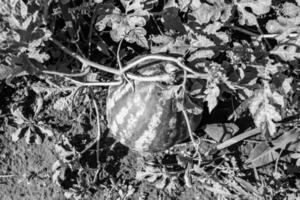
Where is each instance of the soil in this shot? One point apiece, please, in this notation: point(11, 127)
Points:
point(30, 167)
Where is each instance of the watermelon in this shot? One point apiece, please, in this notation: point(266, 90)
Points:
point(146, 119)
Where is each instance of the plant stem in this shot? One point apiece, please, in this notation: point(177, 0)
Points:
point(163, 58)
point(238, 138)
point(196, 146)
point(85, 72)
point(244, 31)
point(163, 77)
point(6, 175)
point(276, 34)
point(122, 70)
point(94, 83)
point(189, 128)
point(98, 130)
point(84, 61)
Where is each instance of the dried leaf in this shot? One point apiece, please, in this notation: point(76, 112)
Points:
point(288, 137)
point(262, 154)
point(153, 175)
point(219, 131)
point(247, 186)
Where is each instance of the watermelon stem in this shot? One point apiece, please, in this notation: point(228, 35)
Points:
point(191, 135)
point(98, 131)
point(85, 61)
point(83, 73)
point(163, 58)
point(88, 63)
point(94, 83)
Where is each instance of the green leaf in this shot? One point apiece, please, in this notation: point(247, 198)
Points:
point(132, 5)
point(137, 36)
point(205, 13)
point(214, 29)
point(264, 113)
point(64, 103)
point(286, 85)
point(15, 136)
point(28, 135)
point(286, 52)
point(284, 26)
point(257, 7)
point(290, 9)
point(23, 9)
point(200, 46)
point(172, 22)
point(44, 130)
point(163, 44)
point(191, 106)
point(212, 94)
point(18, 116)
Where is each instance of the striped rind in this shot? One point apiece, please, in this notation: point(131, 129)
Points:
point(145, 119)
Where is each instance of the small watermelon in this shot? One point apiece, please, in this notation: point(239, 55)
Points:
point(146, 119)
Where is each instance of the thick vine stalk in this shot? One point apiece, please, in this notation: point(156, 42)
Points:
point(131, 65)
